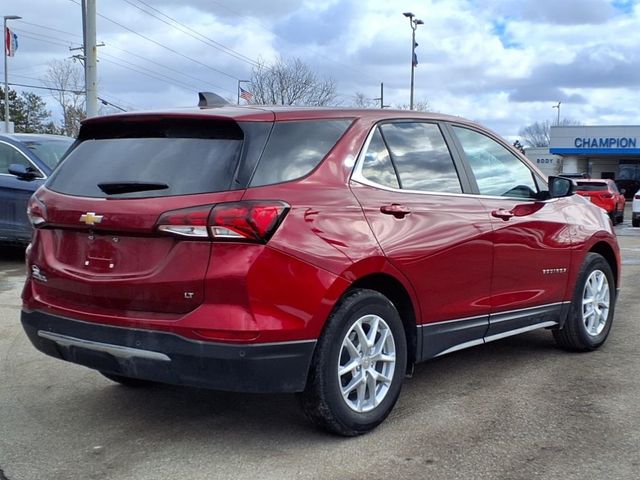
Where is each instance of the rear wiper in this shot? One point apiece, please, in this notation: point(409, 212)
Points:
point(113, 188)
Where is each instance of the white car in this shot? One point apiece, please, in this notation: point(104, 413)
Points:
point(635, 216)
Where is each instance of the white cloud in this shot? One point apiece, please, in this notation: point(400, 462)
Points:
point(500, 62)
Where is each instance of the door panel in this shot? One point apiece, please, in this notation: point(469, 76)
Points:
point(531, 239)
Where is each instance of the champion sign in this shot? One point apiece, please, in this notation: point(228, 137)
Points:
point(609, 142)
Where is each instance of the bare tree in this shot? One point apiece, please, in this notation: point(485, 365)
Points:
point(290, 81)
point(418, 106)
point(538, 134)
point(65, 79)
point(362, 101)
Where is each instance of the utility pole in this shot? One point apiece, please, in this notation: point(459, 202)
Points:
point(558, 107)
point(381, 97)
point(90, 56)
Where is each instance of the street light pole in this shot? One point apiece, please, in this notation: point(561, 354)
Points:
point(6, 71)
point(413, 22)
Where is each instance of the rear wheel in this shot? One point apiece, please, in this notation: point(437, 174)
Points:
point(358, 367)
point(635, 222)
point(128, 381)
point(592, 307)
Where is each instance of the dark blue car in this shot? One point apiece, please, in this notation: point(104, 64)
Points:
point(26, 160)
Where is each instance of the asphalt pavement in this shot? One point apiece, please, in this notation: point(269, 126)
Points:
point(513, 409)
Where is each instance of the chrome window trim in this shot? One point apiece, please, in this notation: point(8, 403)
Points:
point(43, 177)
point(357, 176)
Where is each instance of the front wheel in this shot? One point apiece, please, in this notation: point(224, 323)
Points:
point(358, 367)
point(592, 307)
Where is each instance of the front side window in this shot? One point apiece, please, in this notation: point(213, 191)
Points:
point(497, 171)
point(8, 156)
point(421, 157)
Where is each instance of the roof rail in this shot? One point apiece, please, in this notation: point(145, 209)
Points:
point(211, 100)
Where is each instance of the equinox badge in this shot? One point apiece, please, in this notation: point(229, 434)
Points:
point(90, 218)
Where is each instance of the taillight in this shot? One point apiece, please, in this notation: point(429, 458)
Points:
point(37, 212)
point(637, 197)
point(252, 220)
point(187, 222)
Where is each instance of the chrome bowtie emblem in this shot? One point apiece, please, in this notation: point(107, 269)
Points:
point(90, 218)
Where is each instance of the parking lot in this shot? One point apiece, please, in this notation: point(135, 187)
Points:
point(513, 409)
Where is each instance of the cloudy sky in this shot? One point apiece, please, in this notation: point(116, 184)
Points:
point(504, 63)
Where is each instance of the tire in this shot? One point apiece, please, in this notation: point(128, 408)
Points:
point(635, 222)
point(128, 381)
point(588, 326)
point(614, 215)
point(343, 343)
point(621, 216)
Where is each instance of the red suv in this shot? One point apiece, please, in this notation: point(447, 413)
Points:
point(319, 251)
point(605, 194)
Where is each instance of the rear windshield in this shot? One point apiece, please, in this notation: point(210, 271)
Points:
point(50, 151)
point(592, 187)
point(165, 157)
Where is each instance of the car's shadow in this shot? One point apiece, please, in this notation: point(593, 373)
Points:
point(200, 414)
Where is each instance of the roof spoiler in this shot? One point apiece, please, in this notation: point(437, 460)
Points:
point(211, 100)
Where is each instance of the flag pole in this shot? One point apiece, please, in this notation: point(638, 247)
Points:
point(7, 46)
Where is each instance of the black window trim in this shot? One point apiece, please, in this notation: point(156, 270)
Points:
point(469, 172)
point(463, 175)
point(352, 122)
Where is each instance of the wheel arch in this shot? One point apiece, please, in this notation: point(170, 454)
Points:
point(606, 251)
point(395, 291)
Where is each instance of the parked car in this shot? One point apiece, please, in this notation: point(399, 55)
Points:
point(635, 215)
point(606, 195)
point(630, 187)
point(319, 251)
point(25, 162)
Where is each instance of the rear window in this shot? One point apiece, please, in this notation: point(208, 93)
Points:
point(295, 148)
point(180, 157)
point(592, 187)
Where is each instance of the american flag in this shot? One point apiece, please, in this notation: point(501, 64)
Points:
point(246, 94)
point(10, 42)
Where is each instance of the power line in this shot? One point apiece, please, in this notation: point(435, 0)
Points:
point(193, 33)
point(155, 42)
point(49, 28)
point(133, 67)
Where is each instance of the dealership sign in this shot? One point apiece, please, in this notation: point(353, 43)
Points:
point(590, 140)
point(609, 142)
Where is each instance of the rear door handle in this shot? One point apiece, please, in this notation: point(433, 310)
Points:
point(503, 214)
point(398, 211)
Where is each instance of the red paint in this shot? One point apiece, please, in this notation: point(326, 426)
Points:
point(456, 255)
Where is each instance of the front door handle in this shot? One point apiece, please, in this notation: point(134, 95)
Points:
point(398, 211)
point(503, 214)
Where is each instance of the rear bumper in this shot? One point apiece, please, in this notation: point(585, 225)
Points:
point(168, 358)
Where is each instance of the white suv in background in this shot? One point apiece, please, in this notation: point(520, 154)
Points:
point(635, 216)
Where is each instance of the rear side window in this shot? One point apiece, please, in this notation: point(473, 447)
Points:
point(295, 148)
point(180, 157)
point(377, 165)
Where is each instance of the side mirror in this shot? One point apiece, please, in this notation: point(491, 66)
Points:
point(560, 187)
point(23, 172)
